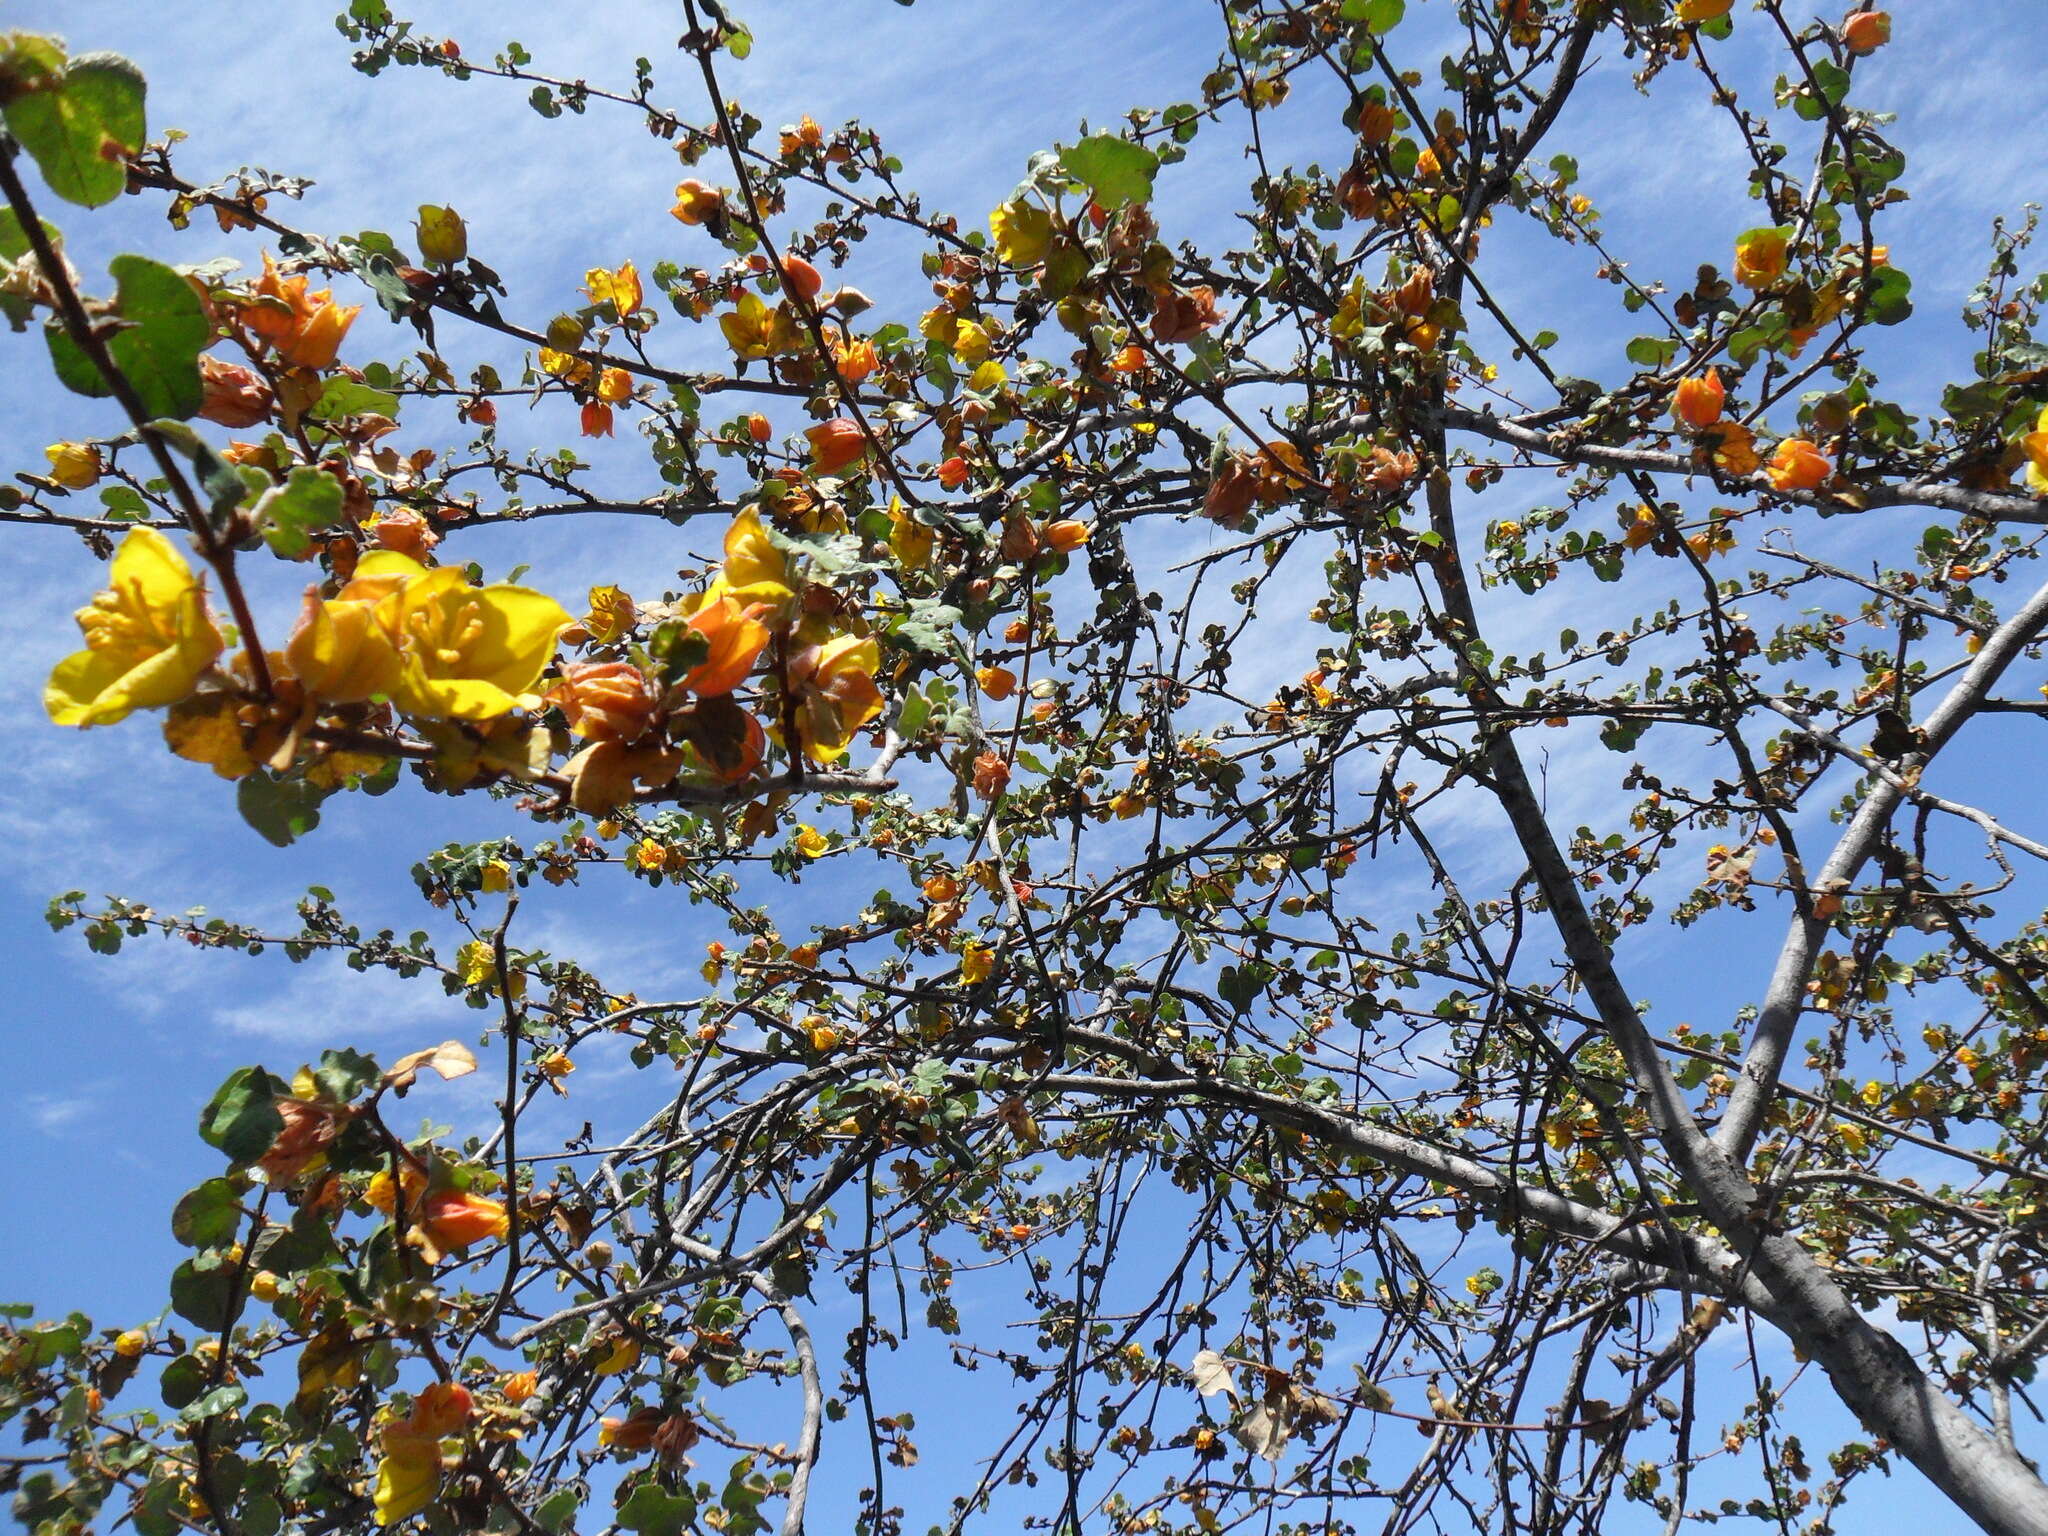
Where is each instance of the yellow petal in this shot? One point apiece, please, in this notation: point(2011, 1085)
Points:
point(78, 690)
point(408, 1477)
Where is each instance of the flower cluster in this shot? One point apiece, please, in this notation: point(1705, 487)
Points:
point(400, 641)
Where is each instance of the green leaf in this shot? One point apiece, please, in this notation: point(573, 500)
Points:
point(163, 328)
point(290, 514)
point(344, 397)
point(83, 132)
point(1889, 302)
point(1380, 16)
point(282, 810)
point(182, 1382)
point(653, 1512)
point(558, 1509)
point(209, 1216)
point(1115, 171)
point(1652, 351)
point(930, 626)
point(203, 1297)
point(241, 1119)
point(14, 241)
point(911, 716)
point(220, 1400)
point(261, 1515)
point(288, 1250)
point(38, 1347)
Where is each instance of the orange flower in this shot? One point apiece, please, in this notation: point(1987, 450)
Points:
point(1731, 446)
point(630, 1434)
point(441, 1223)
point(597, 419)
point(991, 775)
point(953, 473)
point(1230, 494)
point(737, 638)
point(801, 279)
point(234, 396)
point(406, 532)
point(1184, 315)
point(1866, 31)
point(855, 360)
point(441, 1409)
point(1066, 535)
point(997, 682)
point(605, 700)
point(1698, 401)
point(306, 328)
point(1390, 470)
point(615, 386)
point(697, 203)
point(835, 444)
point(1798, 465)
point(454, 1220)
point(521, 1385)
point(309, 1128)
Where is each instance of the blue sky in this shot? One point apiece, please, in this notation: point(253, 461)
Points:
point(112, 1058)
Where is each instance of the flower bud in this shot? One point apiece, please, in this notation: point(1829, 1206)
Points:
point(75, 466)
point(1866, 32)
point(443, 236)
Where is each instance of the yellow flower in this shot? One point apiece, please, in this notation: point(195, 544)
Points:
point(755, 330)
point(811, 843)
point(469, 653)
point(836, 693)
point(497, 876)
point(408, 1476)
point(2035, 446)
point(971, 342)
point(755, 570)
point(74, 466)
point(1022, 232)
point(147, 638)
point(622, 1356)
point(615, 386)
point(564, 365)
point(910, 542)
point(339, 651)
point(976, 961)
point(1760, 256)
point(444, 239)
point(620, 289)
point(612, 613)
